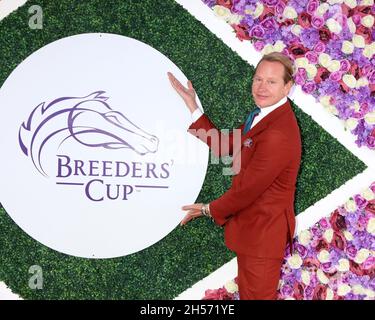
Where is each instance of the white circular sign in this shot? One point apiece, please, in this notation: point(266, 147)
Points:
point(96, 159)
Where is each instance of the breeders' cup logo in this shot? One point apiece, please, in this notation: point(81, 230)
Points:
point(92, 123)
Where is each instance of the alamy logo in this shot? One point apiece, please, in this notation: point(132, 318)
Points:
point(88, 120)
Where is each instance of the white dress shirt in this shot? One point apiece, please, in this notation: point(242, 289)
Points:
point(263, 112)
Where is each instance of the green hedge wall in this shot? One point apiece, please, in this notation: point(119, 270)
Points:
point(222, 81)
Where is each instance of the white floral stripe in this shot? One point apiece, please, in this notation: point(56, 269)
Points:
point(7, 294)
point(326, 120)
point(8, 6)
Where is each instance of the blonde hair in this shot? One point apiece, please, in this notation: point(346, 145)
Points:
point(284, 60)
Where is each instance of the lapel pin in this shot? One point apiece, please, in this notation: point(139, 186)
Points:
point(248, 142)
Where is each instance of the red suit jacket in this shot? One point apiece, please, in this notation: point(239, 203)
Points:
point(257, 211)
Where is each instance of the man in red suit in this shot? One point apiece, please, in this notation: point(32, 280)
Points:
point(257, 212)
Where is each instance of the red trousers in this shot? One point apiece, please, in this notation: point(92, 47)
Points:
point(258, 278)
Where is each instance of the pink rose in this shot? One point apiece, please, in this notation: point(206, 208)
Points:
point(319, 47)
point(297, 50)
point(365, 33)
point(312, 6)
point(304, 20)
point(320, 292)
point(317, 22)
point(225, 3)
point(337, 221)
point(339, 240)
point(312, 57)
point(298, 291)
point(324, 34)
point(321, 75)
point(370, 207)
point(344, 65)
point(355, 268)
point(241, 32)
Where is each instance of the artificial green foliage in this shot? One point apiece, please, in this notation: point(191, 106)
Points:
point(222, 81)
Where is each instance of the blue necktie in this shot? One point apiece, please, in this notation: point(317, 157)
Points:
point(250, 119)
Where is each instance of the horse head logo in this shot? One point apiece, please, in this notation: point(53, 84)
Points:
point(88, 120)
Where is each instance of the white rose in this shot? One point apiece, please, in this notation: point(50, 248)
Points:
point(369, 50)
point(350, 205)
point(323, 256)
point(328, 235)
point(296, 29)
point(351, 3)
point(333, 26)
point(370, 117)
point(221, 12)
point(332, 2)
point(361, 256)
point(279, 46)
point(351, 123)
point(367, 194)
point(301, 62)
point(290, 13)
point(332, 109)
point(347, 47)
point(358, 289)
point(334, 66)
point(324, 59)
point(343, 265)
point(367, 2)
point(343, 289)
point(231, 286)
point(322, 9)
point(371, 226)
point(294, 261)
point(348, 236)
point(362, 82)
point(358, 41)
point(305, 276)
point(322, 277)
point(234, 19)
point(268, 48)
point(369, 293)
point(258, 10)
point(324, 100)
point(304, 237)
point(351, 25)
point(349, 80)
point(330, 294)
point(367, 21)
point(311, 71)
point(356, 106)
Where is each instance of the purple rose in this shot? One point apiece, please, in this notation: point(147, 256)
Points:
point(259, 45)
point(312, 57)
point(317, 22)
point(286, 290)
point(312, 6)
point(360, 201)
point(351, 251)
point(335, 76)
point(371, 77)
point(324, 223)
point(271, 3)
point(309, 87)
point(300, 77)
point(344, 65)
point(302, 251)
point(257, 31)
point(279, 8)
point(269, 23)
point(320, 47)
point(356, 19)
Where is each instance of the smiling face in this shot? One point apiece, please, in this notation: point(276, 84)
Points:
point(268, 84)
